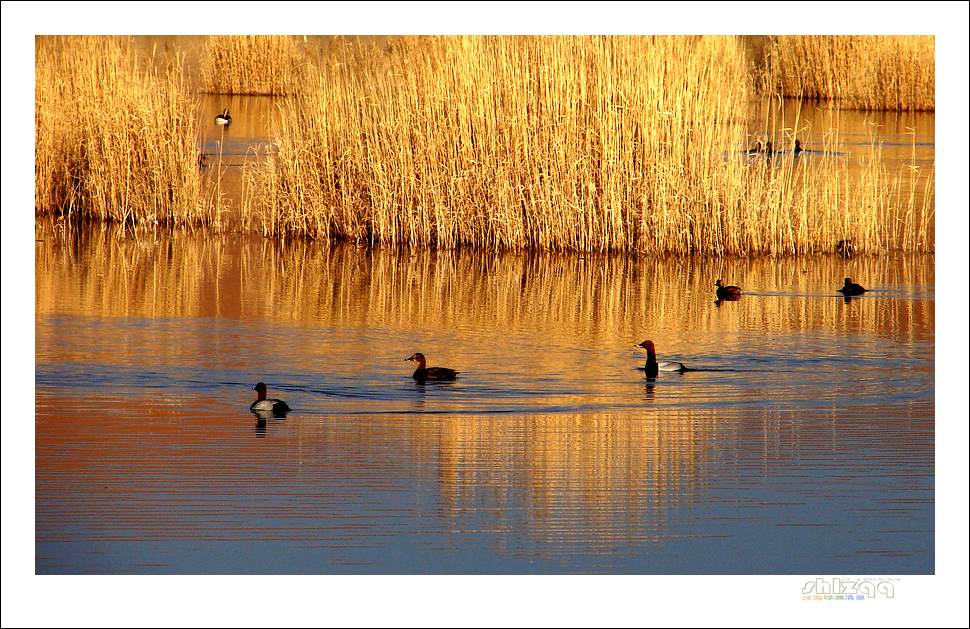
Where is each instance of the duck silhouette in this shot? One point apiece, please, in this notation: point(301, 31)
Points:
point(850, 288)
point(424, 373)
point(727, 293)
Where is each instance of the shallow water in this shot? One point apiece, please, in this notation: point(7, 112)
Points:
point(803, 443)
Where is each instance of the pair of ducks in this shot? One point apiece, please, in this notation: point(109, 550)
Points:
point(731, 293)
point(422, 374)
point(768, 149)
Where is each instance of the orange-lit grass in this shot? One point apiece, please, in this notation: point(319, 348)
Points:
point(580, 143)
point(115, 138)
point(874, 72)
point(249, 64)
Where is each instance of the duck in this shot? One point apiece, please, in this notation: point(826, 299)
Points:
point(850, 288)
point(798, 148)
point(265, 404)
point(760, 148)
point(845, 248)
point(729, 293)
point(423, 372)
point(652, 367)
point(224, 118)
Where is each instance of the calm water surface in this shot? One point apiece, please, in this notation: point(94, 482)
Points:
point(804, 443)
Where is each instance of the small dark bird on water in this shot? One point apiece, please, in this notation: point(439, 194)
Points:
point(850, 288)
point(224, 118)
point(267, 405)
point(423, 372)
point(727, 292)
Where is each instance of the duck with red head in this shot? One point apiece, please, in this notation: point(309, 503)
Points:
point(264, 404)
point(424, 373)
point(851, 289)
point(652, 367)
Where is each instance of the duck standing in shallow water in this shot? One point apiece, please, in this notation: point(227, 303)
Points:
point(266, 405)
point(851, 288)
point(652, 367)
point(728, 293)
point(423, 372)
point(224, 118)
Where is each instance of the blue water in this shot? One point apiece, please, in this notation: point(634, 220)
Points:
point(803, 444)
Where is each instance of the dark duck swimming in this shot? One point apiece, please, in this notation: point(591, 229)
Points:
point(424, 373)
point(850, 288)
point(726, 292)
point(264, 404)
point(652, 367)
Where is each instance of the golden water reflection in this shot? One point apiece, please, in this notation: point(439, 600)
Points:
point(612, 299)
point(550, 453)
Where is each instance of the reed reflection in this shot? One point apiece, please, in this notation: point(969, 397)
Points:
point(593, 481)
point(555, 297)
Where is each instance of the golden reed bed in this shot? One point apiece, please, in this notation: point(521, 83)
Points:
point(874, 72)
point(561, 143)
point(115, 134)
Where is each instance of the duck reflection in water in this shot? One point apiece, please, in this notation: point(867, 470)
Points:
point(263, 421)
point(717, 302)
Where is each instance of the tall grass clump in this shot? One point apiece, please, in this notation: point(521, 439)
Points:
point(580, 143)
point(587, 143)
point(249, 64)
point(115, 137)
point(873, 72)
